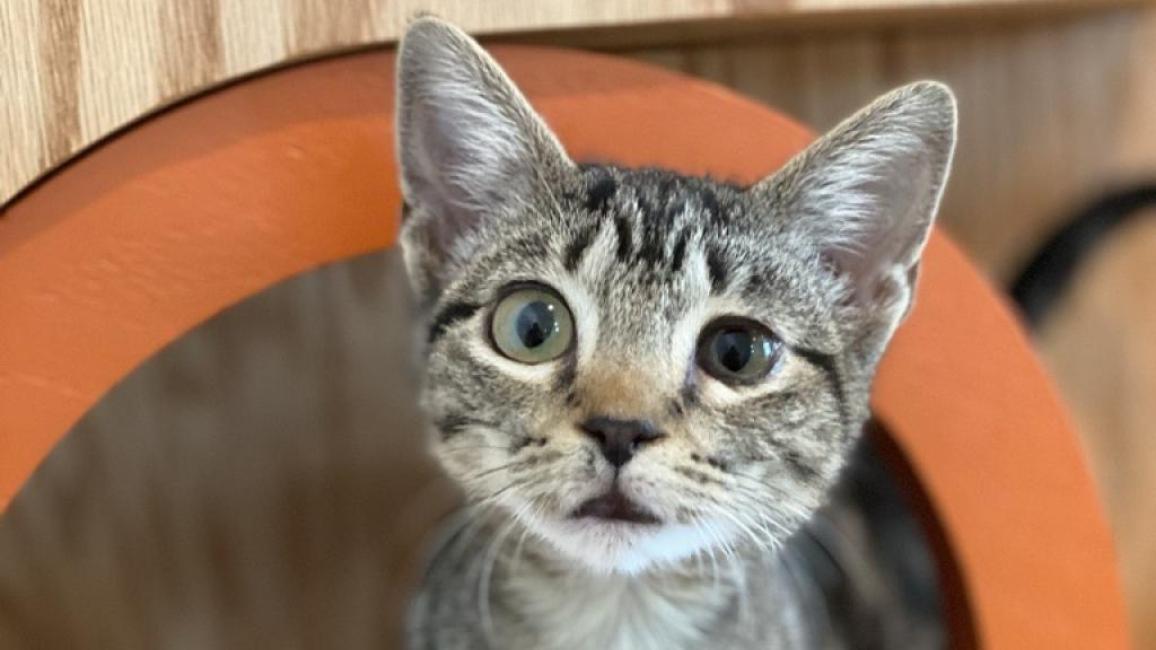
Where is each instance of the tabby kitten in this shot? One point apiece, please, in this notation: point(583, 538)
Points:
point(644, 382)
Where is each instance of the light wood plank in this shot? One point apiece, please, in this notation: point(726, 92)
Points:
point(75, 70)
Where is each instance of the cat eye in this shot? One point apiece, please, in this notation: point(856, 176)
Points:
point(738, 351)
point(532, 324)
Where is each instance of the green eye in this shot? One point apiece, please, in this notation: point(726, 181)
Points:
point(532, 325)
point(738, 351)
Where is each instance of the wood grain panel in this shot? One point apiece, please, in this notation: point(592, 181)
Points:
point(26, 149)
point(59, 49)
point(100, 64)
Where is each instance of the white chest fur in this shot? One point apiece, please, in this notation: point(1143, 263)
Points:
point(580, 610)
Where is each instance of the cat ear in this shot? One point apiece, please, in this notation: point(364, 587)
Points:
point(866, 194)
point(470, 147)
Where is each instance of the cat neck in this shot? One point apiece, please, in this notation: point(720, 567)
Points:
point(555, 601)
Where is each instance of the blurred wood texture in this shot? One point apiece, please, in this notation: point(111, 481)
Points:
point(1058, 102)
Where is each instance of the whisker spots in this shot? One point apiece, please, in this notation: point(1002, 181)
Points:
point(697, 476)
point(714, 461)
point(527, 441)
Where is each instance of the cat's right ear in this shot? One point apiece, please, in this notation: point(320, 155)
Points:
point(864, 196)
point(469, 146)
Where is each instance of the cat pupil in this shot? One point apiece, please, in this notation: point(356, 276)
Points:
point(535, 324)
point(734, 349)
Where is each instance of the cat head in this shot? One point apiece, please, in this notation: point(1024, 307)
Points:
point(639, 365)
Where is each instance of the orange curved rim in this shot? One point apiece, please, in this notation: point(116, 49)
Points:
point(176, 219)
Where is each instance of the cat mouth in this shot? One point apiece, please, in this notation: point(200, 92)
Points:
point(615, 506)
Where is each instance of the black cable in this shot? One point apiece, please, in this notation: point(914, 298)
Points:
point(1045, 278)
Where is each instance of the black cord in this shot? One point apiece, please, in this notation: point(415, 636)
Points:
point(1044, 280)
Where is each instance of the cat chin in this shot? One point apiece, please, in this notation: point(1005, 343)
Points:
point(611, 547)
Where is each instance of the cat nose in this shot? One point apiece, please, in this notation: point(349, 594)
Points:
point(620, 439)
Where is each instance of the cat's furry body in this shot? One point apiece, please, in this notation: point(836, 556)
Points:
point(823, 254)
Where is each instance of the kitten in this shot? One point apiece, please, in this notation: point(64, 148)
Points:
point(645, 383)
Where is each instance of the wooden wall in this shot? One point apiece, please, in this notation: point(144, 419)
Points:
point(72, 71)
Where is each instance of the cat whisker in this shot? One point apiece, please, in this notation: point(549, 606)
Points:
point(492, 497)
point(489, 561)
point(714, 547)
point(506, 448)
point(481, 516)
point(478, 515)
point(757, 502)
point(519, 547)
point(768, 537)
point(491, 470)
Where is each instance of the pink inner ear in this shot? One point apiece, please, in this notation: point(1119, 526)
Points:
point(901, 201)
point(469, 145)
point(866, 194)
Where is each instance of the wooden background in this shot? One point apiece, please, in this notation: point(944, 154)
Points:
point(72, 71)
point(1058, 103)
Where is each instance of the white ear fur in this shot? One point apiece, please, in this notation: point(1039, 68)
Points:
point(867, 193)
point(468, 144)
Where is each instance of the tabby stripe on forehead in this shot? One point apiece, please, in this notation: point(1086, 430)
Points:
point(651, 249)
point(625, 238)
point(710, 204)
point(577, 248)
point(449, 315)
point(717, 270)
point(599, 195)
point(679, 251)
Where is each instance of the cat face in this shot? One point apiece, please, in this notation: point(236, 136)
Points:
point(637, 365)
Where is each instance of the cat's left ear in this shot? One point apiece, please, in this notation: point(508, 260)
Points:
point(865, 195)
point(470, 148)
